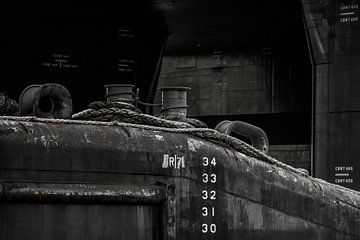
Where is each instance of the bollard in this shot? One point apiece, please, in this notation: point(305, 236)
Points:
point(120, 93)
point(173, 99)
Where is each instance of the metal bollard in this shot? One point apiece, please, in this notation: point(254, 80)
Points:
point(46, 101)
point(120, 93)
point(173, 99)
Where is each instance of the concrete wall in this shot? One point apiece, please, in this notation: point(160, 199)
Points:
point(294, 155)
point(239, 83)
point(334, 33)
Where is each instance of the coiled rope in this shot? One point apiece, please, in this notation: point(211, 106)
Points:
point(124, 112)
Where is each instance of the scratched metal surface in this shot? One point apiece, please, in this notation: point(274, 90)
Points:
point(247, 199)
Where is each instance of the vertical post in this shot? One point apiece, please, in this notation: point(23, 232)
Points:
point(173, 99)
point(120, 93)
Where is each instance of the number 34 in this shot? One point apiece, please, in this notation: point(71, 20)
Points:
point(206, 161)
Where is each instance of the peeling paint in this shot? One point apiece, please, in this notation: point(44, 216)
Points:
point(30, 192)
point(295, 179)
point(86, 138)
point(28, 124)
point(194, 144)
point(254, 186)
point(283, 174)
point(159, 137)
point(43, 140)
point(15, 129)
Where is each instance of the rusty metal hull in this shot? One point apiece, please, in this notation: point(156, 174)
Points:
point(206, 191)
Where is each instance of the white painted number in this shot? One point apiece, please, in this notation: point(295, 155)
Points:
point(213, 178)
point(205, 194)
point(205, 228)
point(205, 161)
point(213, 195)
point(213, 228)
point(205, 178)
point(204, 211)
point(213, 162)
point(209, 211)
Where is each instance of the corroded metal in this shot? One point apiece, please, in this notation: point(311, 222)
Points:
point(120, 93)
point(81, 193)
point(174, 106)
point(251, 199)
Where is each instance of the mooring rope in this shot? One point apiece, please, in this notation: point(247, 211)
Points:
point(112, 112)
point(107, 112)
